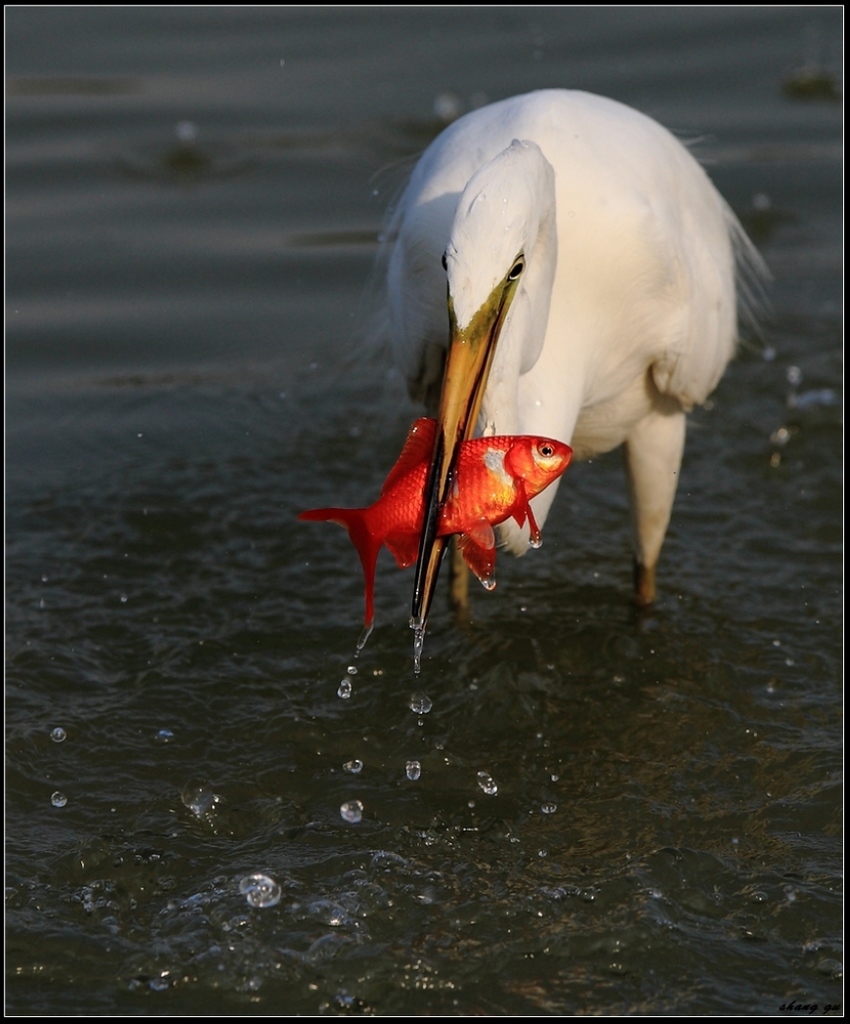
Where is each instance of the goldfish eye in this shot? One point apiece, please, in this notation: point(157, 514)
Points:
point(546, 450)
point(517, 269)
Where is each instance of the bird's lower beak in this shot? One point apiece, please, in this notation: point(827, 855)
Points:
point(468, 361)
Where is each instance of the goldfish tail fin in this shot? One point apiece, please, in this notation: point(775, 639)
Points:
point(356, 521)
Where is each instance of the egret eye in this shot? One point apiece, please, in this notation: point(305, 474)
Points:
point(517, 269)
point(445, 262)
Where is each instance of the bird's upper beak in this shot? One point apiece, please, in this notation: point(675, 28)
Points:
point(470, 355)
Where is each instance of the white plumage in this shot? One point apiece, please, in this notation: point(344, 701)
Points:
point(585, 243)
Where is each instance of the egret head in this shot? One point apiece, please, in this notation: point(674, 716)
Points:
point(500, 264)
point(505, 212)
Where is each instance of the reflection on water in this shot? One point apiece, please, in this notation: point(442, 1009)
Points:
point(571, 809)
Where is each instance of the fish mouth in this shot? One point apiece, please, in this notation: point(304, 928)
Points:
point(468, 361)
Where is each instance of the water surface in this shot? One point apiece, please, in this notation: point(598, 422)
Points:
point(571, 810)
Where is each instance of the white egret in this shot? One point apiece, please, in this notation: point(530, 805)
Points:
point(590, 268)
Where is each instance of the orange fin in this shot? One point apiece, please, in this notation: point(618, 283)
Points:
point(417, 449)
point(523, 511)
point(356, 522)
point(480, 558)
point(481, 533)
point(536, 539)
point(404, 547)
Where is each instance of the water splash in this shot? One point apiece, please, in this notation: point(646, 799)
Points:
point(260, 890)
point(200, 799)
point(352, 811)
point(487, 783)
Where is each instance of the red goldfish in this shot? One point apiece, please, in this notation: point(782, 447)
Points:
point(494, 479)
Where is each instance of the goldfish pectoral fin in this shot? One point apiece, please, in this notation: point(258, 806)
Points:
point(534, 530)
point(522, 512)
point(480, 558)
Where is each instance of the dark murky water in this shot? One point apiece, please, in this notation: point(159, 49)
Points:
point(610, 815)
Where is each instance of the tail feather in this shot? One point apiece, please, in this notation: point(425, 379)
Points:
point(356, 522)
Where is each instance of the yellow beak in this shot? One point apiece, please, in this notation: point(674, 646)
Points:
point(470, 355)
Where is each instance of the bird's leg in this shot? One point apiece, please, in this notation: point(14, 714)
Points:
point(653, 453)
point(458, 583)
point(644, 577)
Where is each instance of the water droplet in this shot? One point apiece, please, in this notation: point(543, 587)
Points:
point(549, 807)
point(536, 542)
point(447, 107)
point(260, 890)
point(418, 628)
point(186, 131)
point(488, 783)
point(123, 599)
point(794, 376)
point(163, 736)
point(58, 735)
point(58, 799)
point(413, 769)
point(352, 670)
point(420, 703)
point(344, 690)
point(352, 810)
point(354, 767)
point(489, 584)
point(781, 436)
point(814, 398)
